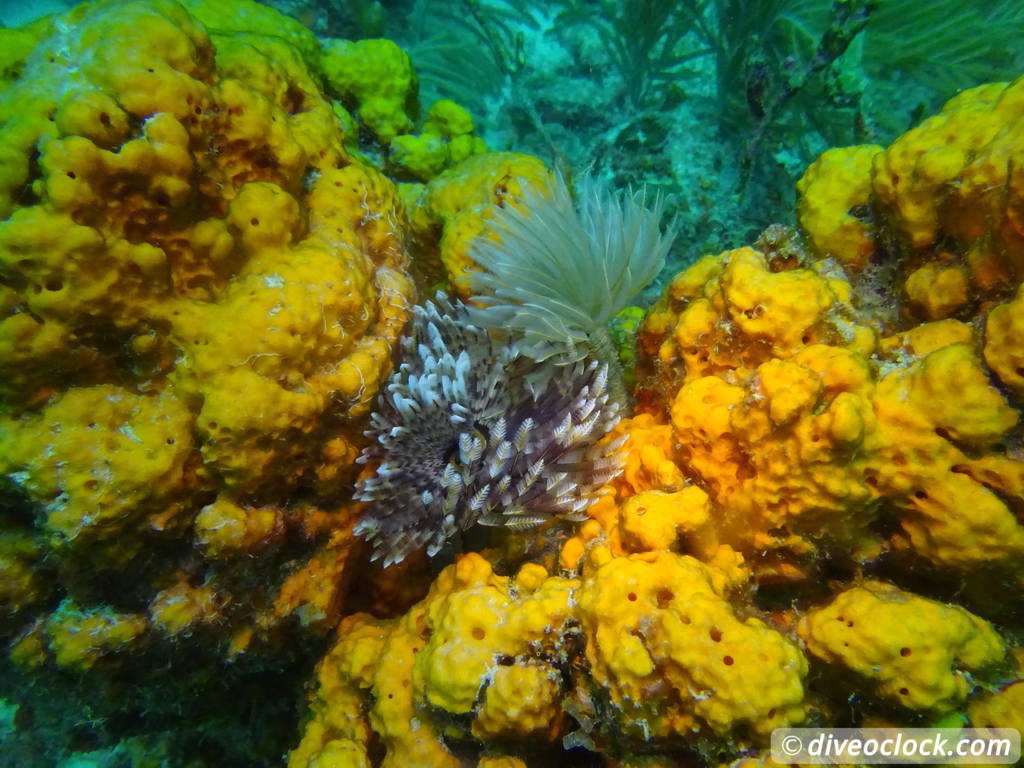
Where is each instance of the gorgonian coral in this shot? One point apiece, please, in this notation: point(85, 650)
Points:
point(463, 437)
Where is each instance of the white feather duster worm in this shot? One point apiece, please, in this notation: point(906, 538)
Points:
point(555, 272)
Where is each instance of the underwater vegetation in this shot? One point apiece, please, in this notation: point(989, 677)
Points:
point(266, 318)
point(722, 102)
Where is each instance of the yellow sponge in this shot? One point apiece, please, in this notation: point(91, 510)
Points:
point(916, 652)
point(675, 658)
point(1004, 342)
point(833, 187)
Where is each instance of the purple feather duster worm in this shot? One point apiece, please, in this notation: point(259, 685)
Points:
point(464, 434)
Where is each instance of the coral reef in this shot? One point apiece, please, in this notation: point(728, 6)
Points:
point(442, 652)
point(687, 660)
point(201, 289)
point(673, 656)
point(379, 77)
point(945, 195)
point(832, 191)
point(810, 427)
point(209, 292)
point(915, 652)
point(214, 231)
point(447, 139)
point(452, 211)
point(819, 490)
point(1004, 343)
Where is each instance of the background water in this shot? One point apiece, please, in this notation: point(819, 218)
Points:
point(722, 103)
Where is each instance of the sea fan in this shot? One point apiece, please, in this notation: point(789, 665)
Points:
point(557, 274)
point(462, 439)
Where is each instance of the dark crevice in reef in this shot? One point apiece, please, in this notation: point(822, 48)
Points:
point(188, 707)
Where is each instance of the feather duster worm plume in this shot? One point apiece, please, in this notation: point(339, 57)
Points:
point(461, 439)
point(557, 273)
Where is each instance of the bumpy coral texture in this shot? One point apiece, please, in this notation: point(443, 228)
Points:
point(915, 652)
point(1004, 343)
point(201, 292)
point(664, 641)
point(447, 139)
point(799, 421)
point(1002, 709)
point(947, 194)
point(439, 658)
point(202, 289)
point(377, 76)
point(453, 210)
point(832, 207)
point(800, 424)
point(669, 665)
